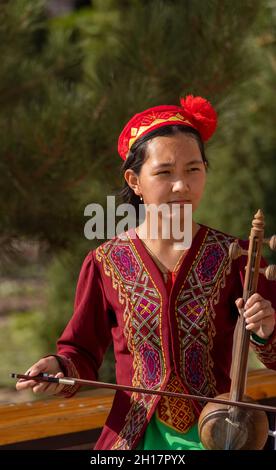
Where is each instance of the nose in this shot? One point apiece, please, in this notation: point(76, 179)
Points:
point(180, 186)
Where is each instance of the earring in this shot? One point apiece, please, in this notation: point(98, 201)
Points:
point(141, 199)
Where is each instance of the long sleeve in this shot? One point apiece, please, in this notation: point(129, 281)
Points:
point(267, 352)
point(86, 337)
point(267, 289)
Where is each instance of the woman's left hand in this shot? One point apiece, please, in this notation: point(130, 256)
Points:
point(259, 315)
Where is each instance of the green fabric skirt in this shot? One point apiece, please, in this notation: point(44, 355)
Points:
point(158, 436)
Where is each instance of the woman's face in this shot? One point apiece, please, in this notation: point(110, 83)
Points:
point(173, 171)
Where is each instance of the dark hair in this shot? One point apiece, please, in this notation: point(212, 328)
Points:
point(137, 154)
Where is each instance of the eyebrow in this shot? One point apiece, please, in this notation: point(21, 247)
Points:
point(169, 164)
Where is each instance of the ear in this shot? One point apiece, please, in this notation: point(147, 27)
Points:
point(133, 181)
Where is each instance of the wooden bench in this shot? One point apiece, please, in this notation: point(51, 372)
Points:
point(261, 384)
point(54, 424)
point(76, 423)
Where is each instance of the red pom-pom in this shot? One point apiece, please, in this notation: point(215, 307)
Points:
point(201, 113)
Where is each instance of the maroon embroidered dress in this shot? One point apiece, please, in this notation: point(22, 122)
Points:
point(160, 341)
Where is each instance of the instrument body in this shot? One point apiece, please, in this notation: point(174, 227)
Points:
point(222, 426)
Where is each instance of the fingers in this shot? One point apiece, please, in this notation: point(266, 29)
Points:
point(258, 314)
point(239, 303)
point(48, 365)
point(253, 299)
point(41, 387)
point(258, 311)
point(36, 369)
point(257, 317)
point(48, 387)
point(255, 323)
point(255, 308)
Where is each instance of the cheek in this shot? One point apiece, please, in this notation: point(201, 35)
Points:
point(156, 184)
point(200, 184)
point(162, 188)
point(156, 191)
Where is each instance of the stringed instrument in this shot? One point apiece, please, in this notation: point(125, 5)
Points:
point(230, 421)
point(228, 427)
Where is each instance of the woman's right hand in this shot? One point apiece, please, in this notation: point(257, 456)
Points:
point(49, 365)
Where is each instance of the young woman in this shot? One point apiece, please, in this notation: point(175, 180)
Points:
point(171, 313)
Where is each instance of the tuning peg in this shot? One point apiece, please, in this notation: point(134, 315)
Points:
point(269, 272)
point(271, 242)
point(235, 250)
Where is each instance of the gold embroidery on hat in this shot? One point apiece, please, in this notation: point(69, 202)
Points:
point(135, 133)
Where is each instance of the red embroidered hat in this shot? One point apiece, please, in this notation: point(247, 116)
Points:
point(194, 111)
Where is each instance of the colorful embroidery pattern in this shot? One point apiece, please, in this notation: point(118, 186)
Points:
point(195, 313)
point(177, 413)
point(142, 317)
point(266, 353)
point(70, 371)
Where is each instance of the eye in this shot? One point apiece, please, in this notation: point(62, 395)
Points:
point(166, 172)
point(194, 169)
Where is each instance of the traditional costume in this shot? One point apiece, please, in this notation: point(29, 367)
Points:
point(171, 334)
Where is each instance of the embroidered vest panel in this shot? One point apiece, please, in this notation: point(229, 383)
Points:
point(195, 314)
point(178, 413)
point(142, 313)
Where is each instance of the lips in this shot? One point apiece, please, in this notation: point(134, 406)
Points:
point(180, 201)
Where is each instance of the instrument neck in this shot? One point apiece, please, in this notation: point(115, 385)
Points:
point(240, 360)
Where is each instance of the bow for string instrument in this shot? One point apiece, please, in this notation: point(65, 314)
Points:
point(225, 427)
point(231, 420)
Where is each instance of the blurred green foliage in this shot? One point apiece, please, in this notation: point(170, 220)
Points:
point(20, 346)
